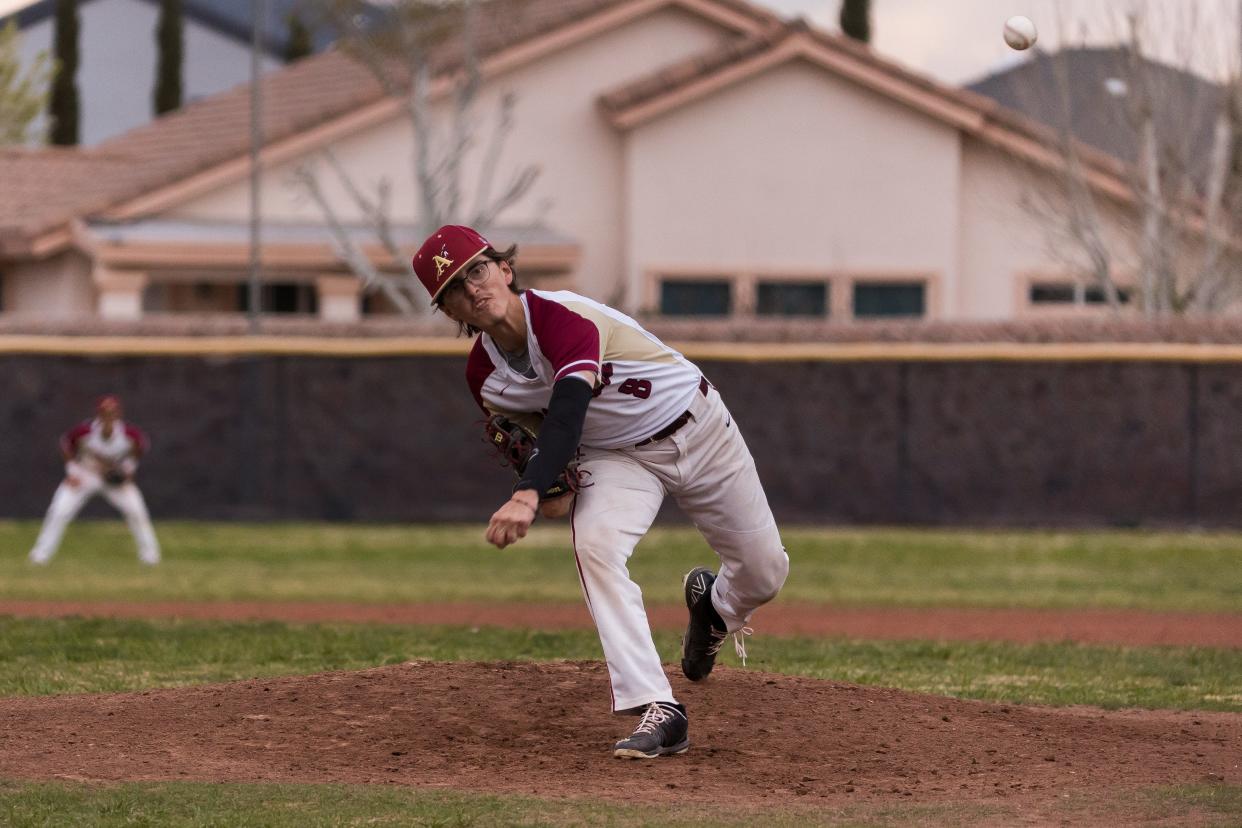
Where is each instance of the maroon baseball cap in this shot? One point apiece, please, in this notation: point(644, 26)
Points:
point(444, 254)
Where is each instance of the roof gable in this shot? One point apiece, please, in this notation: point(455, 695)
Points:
point(674, 87)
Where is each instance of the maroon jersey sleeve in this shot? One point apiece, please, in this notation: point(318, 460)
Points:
point(70, 439)
point(478, 368)
point(569, 340)
point(138, 437)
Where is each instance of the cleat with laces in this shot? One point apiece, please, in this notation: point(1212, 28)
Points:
point(706, 632)
point(663, 731)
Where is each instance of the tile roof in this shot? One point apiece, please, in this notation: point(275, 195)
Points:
point(47, 187)
point(44, 187)
point(215, 130)
point(1186, 104)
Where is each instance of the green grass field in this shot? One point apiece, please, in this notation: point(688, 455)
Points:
point(198, 805)
point(76, 655)
point(390, 564)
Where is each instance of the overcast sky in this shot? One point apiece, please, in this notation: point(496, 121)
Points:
point(957, 41)
point(960, 40)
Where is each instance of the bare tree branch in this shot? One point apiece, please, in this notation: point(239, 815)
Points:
point(1083, 217)
point(1184, 177)
point(1206, 292)
point(410, 52)
point(348, 251)
point(376, 212)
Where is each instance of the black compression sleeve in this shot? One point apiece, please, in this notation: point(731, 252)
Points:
point(558, 434)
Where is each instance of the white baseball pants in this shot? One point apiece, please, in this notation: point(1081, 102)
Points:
point(69, 500)
point(709, 471)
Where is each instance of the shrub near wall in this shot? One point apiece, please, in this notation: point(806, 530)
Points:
point(914, 433)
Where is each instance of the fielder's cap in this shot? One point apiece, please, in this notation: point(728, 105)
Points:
point(444, 254)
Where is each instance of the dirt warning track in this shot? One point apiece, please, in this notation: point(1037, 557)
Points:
point(1090, 626)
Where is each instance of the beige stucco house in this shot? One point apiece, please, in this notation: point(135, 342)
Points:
point(695, 156)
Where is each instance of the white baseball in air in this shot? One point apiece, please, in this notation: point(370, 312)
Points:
point(1020, 32)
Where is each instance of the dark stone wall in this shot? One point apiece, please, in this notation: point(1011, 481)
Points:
point(398, 439)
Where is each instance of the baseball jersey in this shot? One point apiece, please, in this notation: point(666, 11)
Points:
point(642, 384)
point(87, 442)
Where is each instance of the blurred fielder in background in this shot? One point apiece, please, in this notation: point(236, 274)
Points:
point(621, 421)
point(101, 456)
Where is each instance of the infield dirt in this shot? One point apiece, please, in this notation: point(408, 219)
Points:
point(759, 740)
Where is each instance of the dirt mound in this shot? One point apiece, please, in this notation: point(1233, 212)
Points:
point(757, 739)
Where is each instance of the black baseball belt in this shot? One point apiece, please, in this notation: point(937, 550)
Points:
point(673, 427)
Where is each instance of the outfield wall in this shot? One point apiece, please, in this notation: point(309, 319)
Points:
point(385, 430)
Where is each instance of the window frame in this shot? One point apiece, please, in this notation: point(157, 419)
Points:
point(703, 278)
point(821, 280)
point(890, 283)
point(839, 285)
point(1027, 281)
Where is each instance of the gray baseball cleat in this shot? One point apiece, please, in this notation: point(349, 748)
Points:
point(706, 631)
point(663, 731)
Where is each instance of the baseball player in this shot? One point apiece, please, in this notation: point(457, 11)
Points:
point(101, 456)
point(635, 421)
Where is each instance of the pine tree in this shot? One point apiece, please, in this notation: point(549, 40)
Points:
point(170, 42)
point(64, 102)
point(299, 45)
point(856, 19)
point(22, 98)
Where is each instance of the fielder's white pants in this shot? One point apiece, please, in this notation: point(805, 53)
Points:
point(69, 500)
point(709, 471)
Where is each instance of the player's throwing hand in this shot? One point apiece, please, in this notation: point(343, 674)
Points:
point(513, 519)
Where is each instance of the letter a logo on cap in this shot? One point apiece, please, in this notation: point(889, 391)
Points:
point(442, 261)
point(458, 245)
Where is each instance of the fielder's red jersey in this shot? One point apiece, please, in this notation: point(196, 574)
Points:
point(86, 442)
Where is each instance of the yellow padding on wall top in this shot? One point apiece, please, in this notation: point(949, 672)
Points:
point(722, 351)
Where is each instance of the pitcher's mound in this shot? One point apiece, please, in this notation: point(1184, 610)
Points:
point(759, 739)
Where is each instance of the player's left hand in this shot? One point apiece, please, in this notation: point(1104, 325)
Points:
point(513, 519)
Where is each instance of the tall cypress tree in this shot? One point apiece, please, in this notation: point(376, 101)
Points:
point(63, 107)
point(170, 43)
point(856, 19)
point(299, 44)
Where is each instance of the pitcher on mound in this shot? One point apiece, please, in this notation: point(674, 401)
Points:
point(621, 421)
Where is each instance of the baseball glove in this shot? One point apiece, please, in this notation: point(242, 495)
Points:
point(514, 443)
point(114, 477)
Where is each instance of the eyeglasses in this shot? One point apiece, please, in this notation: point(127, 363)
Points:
point(476, 275)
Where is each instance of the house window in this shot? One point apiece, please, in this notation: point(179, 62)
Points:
point(281, 297)
point(791, 299)
point(188, 297)
point(886, 299)
point(696, 297)
point(1062, 293)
